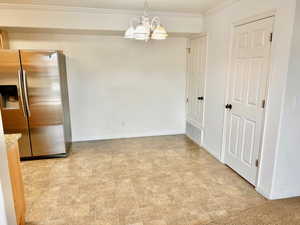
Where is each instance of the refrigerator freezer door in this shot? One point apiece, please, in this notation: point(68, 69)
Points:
point(43, 102)
point(14, 119)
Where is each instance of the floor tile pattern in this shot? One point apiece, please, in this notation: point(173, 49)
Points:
point(164, 180)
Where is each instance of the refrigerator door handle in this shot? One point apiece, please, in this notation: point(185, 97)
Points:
point(26, 92)
point(21, 91)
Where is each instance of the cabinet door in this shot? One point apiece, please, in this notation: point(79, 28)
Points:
point(17, 183)
point(196, 81)
point(14, 119)
point(3, 40)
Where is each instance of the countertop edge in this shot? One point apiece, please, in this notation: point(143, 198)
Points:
point(11, 140)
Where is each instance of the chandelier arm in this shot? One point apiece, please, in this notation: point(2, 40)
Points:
point(155, 23)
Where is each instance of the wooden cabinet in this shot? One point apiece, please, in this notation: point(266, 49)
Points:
point(3, 40)
point(17, 183)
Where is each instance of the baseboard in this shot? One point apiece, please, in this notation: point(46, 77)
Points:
point(278, 196)
point(213, 153)
point(194, 133)
point(128, 136)
point(193, 139)
point(264, 193)
point(205, 148)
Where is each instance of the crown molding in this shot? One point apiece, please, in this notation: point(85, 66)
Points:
point(116, 33)
point(56, 8)
point(220, 6)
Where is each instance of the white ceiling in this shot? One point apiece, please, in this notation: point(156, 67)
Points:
point(183, 6)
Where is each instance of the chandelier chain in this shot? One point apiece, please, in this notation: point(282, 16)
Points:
point(146, 8)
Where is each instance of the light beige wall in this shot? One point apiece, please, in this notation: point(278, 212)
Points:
point(119, 88)
point(37, 16)
point(287, 182)
point(7, 211)
point(219, 25)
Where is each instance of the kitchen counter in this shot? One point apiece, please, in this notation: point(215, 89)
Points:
point(11, 140)
point(15, 172)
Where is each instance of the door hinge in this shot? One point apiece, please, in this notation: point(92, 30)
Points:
point(271, 37)
point(263, 104)
point(257, 163)
point(189, 50)
point(187, 100)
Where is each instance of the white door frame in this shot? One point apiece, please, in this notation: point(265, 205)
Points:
point(195, 36)
point(7, 213)
point(245, 21)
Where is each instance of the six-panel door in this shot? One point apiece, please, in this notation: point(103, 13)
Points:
point(247, 94)
point(196, 81)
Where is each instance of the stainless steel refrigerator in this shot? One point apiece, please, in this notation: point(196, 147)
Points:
point(34, 101)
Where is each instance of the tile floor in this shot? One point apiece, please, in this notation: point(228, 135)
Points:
point(142, 181)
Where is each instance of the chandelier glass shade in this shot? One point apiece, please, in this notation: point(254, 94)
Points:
point(159, 33)
point(144, 28)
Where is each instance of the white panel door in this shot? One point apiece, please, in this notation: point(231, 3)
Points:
point(247, 94)
point(196, 81)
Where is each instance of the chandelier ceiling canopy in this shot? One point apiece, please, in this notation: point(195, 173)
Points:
point(144, 28)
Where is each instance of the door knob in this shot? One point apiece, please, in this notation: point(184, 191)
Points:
point(200, 98)
point(228, 106)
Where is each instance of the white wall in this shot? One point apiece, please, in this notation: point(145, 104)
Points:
point(7, 211)
point(218, 25)
point(128, 88)
point(287, 178)
point(35, 16)
point(119, 88)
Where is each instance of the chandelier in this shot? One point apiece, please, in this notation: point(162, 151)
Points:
point(144, 28)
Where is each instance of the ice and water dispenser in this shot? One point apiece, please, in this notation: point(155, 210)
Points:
point(11, 110)
point(9, 98)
